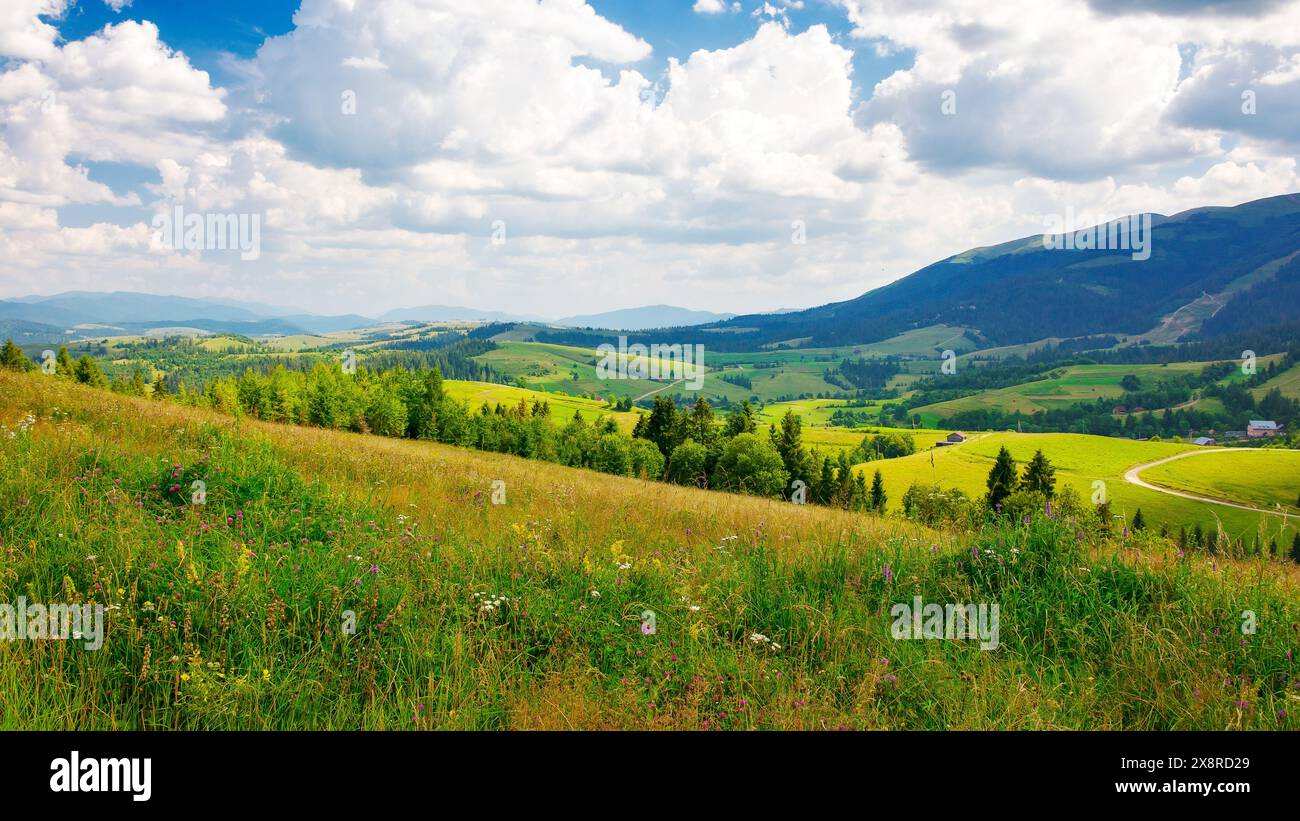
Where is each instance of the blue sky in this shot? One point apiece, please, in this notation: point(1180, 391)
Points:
point(540, 158)
point(208, 32)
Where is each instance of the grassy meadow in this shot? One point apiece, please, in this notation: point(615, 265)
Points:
point(562, 407)
point(1077, 383)
point(1267, 479)
point(530, 613)
point(1081, 460)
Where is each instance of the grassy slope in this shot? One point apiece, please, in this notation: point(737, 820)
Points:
point(1079, 383)
point(1288, 381)
point(562, 407)
point(1262, 478)
point(228, 614)
point(1080, 460)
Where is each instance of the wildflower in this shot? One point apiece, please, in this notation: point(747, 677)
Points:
point(889, 574)
point(595, 594)
point(266, 674)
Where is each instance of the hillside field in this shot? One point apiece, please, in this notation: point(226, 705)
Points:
point(1262, 478)
point(582, 601)
point(562, 407)
point(1077, 383)
point(1080, 460)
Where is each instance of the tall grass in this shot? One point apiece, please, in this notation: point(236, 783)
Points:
point(528, 614)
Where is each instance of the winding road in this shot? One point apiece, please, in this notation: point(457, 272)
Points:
point(1133, 478)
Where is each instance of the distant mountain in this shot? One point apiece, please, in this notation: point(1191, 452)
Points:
point(137, 312)
point(23, 332)
point(316, 324)
point(17, 311)
point(126, 306)
point(1236, 258)
point(451, 313)
point(639, 319)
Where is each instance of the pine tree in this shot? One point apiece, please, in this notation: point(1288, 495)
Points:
point(1002, 478)
point(826, 485)
point(88, 373)
point(433, 384)
point(878, 495)
point(64, 366)
point(700, 425)
point(159, 387)
point(12, 357)
point(741, 420)
point(662, 428)
point(1040, 476)
point(1139, 523)
point(844, 482)
point(861, 496)
point(789, 443)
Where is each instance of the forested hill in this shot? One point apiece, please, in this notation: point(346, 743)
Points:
point(1021, 291)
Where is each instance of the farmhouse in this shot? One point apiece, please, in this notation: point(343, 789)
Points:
point(954, 438)
point(1203, 441)
point(1257, 428)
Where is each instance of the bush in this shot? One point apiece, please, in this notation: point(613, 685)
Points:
point(750, 464)
point(688, 464)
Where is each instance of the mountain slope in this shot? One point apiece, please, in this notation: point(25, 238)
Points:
point(138, 312)
point(1020, 291)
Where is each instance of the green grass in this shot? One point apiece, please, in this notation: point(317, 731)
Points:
point(1080, 461)
point(774, 373)
point(1288, 382)
point(1077, 383)
point(229, 615)
point(562, 407)
point(1263, 478)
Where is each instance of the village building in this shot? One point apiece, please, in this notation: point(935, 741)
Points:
point(1262, 428)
